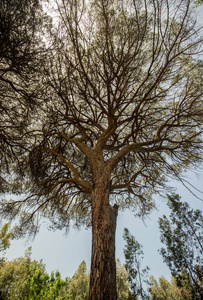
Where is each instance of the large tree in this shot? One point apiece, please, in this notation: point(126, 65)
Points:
point(120, 111)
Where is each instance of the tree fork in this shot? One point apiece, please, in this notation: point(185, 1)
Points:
point(103, 264)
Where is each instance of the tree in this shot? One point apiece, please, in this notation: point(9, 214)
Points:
point(5, 237)
point(123, 286)
point(79, 284)
point(21, 54)
point(45, 287)
point(26, 279)
point(183, 237)
point(20, 23)
point(170, 290)
point(119, 112)
point(14, 277)
point(136, 276)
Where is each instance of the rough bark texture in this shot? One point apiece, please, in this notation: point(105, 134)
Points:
point(103, 265)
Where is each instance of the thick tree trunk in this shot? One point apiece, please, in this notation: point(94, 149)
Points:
point(103, 265)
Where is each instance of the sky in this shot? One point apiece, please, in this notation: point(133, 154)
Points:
point(65, 252)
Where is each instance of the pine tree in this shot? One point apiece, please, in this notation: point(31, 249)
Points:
point(118, 109)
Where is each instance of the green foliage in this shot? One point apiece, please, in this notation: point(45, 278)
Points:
point(78, 288)
point(5, 237)
point(24, 279)
point(183, 237)
point(122, 283)
point(165, 290)
point(136, 276)
point(78, 285)
point(43, 286)
point(20, 22)
point(198, 2)
point(162, 289)
point(14, 276)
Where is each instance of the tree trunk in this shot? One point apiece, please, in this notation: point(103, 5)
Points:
point(103, 264)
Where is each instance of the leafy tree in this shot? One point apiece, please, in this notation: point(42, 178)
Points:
point(123, 286)
point(56, 284)
point(14, 277)
point(119, 109)
point(183, 237)
point(136, 276)
point(5, 237)
point(38, 283)
point(79, 284)
point(170, 290)
point(25, 279)
point(45, 287)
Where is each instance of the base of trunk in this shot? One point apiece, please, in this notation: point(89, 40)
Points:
point(103, 264)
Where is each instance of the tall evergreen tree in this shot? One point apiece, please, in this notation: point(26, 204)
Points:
point(119, 110)
point(136, 275)
point(182, 235)
point(123, 286)
point(79, 284)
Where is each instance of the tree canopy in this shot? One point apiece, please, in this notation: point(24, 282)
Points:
point(123, 90)
point(22, 51)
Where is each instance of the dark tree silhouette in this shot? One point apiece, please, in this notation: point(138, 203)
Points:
point(21, 54)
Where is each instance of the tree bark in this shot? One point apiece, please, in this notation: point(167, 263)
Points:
point(103, 264)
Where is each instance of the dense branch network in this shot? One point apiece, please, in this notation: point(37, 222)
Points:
point(21, 54)
point(121, 95)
